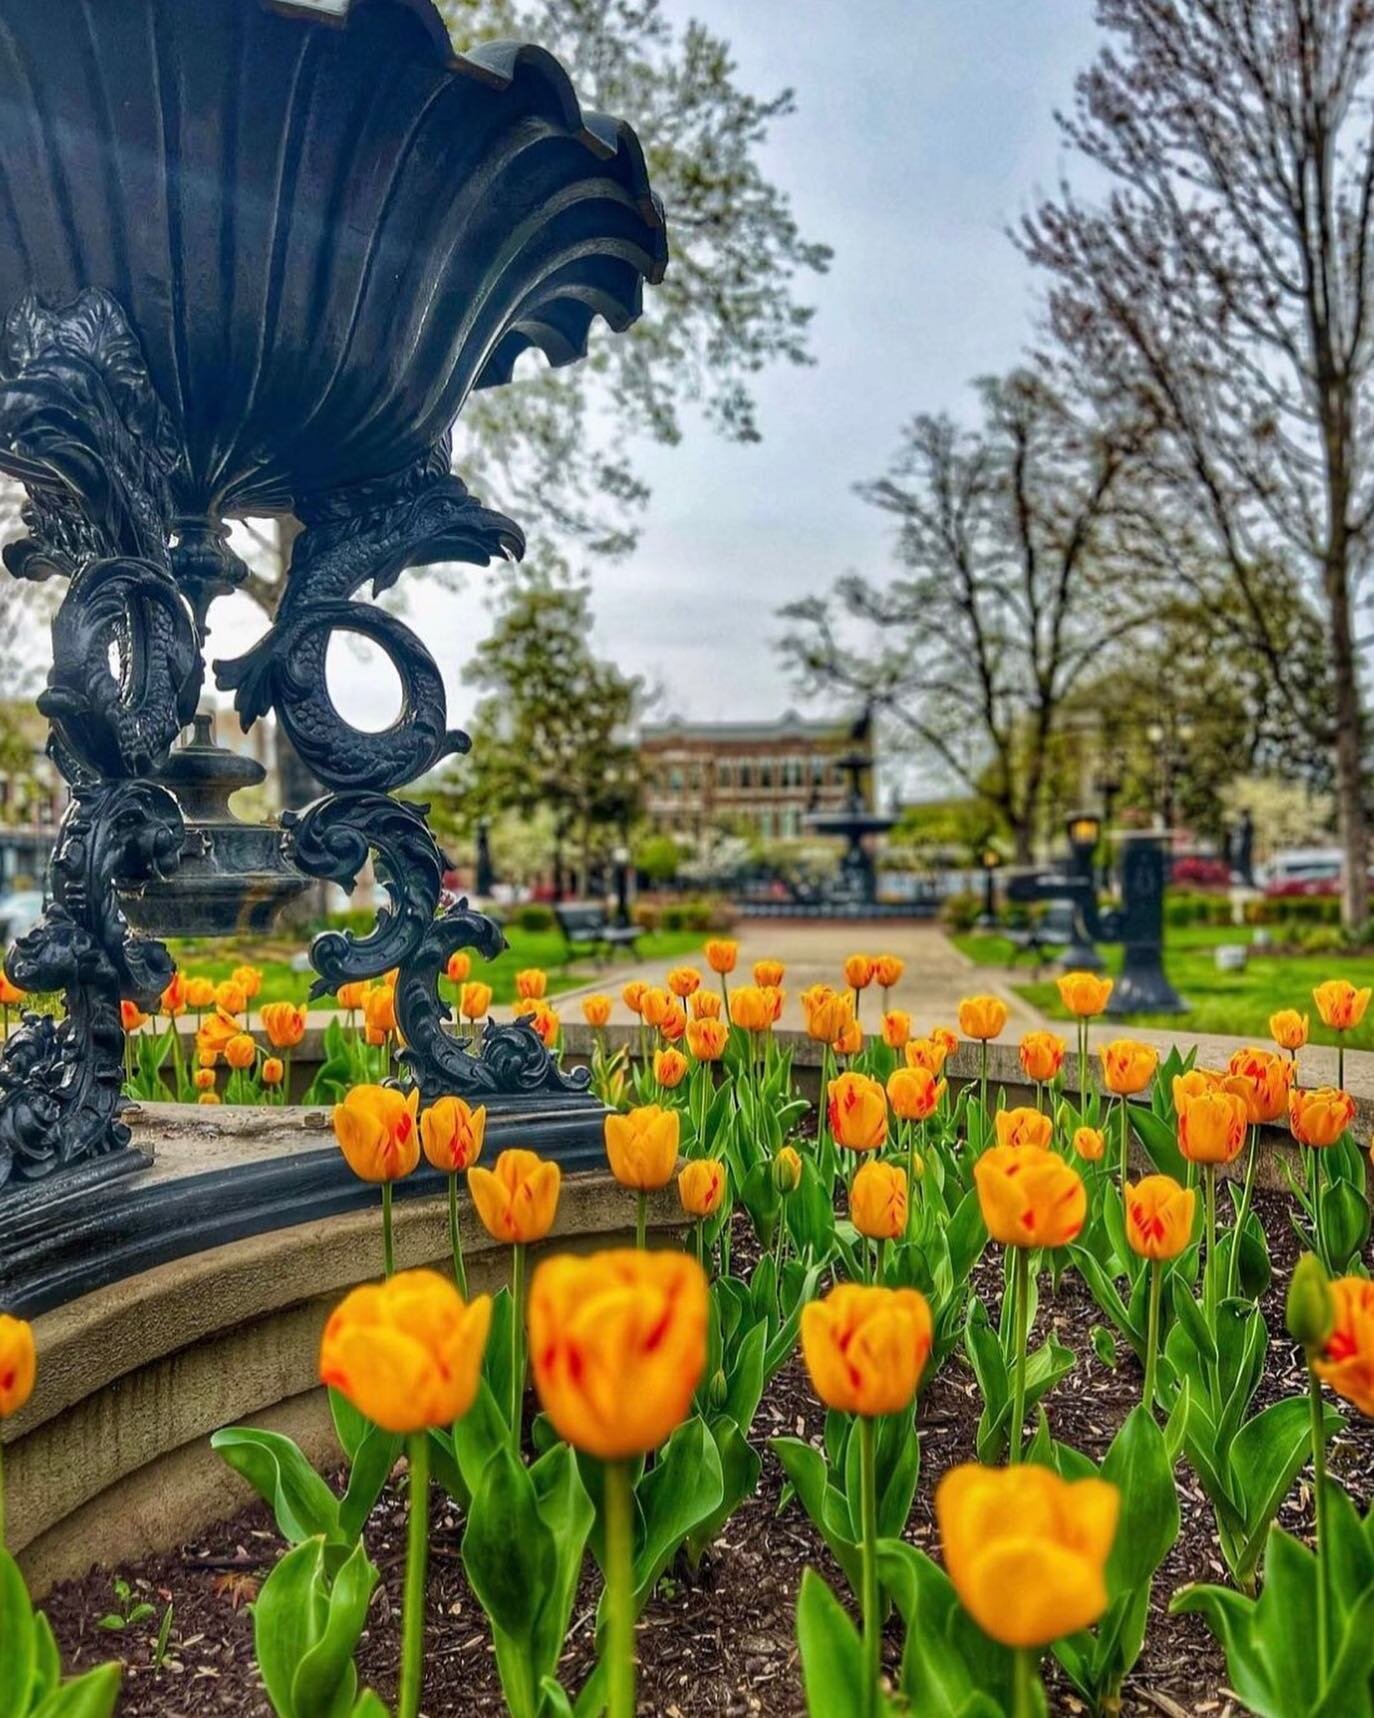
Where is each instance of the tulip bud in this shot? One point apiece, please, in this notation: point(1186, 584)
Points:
point(1311, 1312)
point(786, 1171)
point(720, 1390)
point(918, 1166)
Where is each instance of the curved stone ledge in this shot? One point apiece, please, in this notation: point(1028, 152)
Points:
point(110, 1459)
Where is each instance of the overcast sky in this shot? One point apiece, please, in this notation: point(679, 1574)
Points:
point(923, 128)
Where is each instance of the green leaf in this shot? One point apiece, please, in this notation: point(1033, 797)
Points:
point(18, 1642)
point(372, 1464)
point(832, 1655)
point(288, 1618)
point(740, 1467)
point(350, 1427)
point(681, 1490)
point(47, 1661)
point(90, 1696)
point(478, 1435)
point(1264, 1461)
point(823, 1502)
point(511, 1562)
point(301, 1502)
point(326, 1681)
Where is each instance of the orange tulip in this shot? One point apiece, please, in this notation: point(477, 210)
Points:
point(407, 1353)
point(752, 1008)
point(1264, 1080)
point(618, 1347)
point(273, 1071)
point(1347, 1358)
point(231, 996)
point(896, 1029)
point(204, 1079)
point(531, 984)
point(1319, 1118)
point(1194, 1083)
point(131, 1016)
point(857, 1112)
point(249, 978)
point(518, 1199)
point(1026, 1550)
point(596, 1010)
point(655, 1005)
point(379, 1009)
point(1211, 1127)
point(642, 1146)
point(633, 995)
point(1023, 1127)
point(1127, 1066)
point(850, 1040)
point(541, 1019)
point(888, 970)
point(173, 999)
point(241, 1052)
point(1159, 1217)
point(706, 1039)
point(865, 1348)
point(704, 1005)
point(982, 1016)
point(859, 971)
point(670, 1068)
point(825, 1013)
point(1084, 993)
point(1042, 1056)
point(674, 1023)
point(284, 1024)
point(683, 980)
point(1340, 1005)
point(459, 967)
point(351, 996)
point(376, 1131)
point(914, 1093)
point(200, 993)
point(208, 1098)
point(474, 1001)
point(1288, 1029)
point(452, 1133)
point(18, 1364)
point(769, 974)
point(947, 1040)
point(721, 954)
point(1029, 1197)
point(877, 1201)
point(1089, 1143)
point(701, 1187)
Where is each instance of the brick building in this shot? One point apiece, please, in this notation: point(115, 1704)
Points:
point(755, 778)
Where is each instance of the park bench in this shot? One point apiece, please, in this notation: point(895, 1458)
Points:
point(585, 924)
point(1054, 930)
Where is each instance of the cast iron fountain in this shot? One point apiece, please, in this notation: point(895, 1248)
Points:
point(253, 259)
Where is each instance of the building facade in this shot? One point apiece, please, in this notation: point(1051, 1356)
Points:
point(749, 778)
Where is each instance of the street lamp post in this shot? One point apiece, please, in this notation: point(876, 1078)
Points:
point(990, 860)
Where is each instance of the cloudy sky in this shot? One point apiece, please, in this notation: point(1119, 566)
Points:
point(923, 128)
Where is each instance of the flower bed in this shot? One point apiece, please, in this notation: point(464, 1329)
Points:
point(941, 1391)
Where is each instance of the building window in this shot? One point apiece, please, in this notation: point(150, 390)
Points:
point(746, 775)
point(766, 823)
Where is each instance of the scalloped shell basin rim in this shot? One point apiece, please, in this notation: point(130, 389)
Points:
point(325, 225)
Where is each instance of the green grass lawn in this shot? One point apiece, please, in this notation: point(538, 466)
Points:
point(1236, 1003)
point(216, 959)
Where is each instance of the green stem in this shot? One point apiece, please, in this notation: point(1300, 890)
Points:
point(1209, 1274)
point(413, 1606)
point(1314, 1396)
point(460, 1275)
point(1125, 1146)
point(1020, 1288)
point(1082, 1060)
point(1318, 1186)
point(641, 1218)
point(1025, 1676)
point(620, 1621)
point(1152, 1335)
point(2, 1497)
point(517, 1340)
point(388, 1249)
point(983, 1077)
point(910, 1177)
point(1232, 1263)
point(1340, 1062)
point(873, 1635)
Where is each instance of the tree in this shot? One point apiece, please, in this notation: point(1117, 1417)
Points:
point(1223, 278)
point(552, 448)
point(553, 727)
point(1013, 542)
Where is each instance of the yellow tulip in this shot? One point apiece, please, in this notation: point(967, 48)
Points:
point(701, 1187)
point(1211, 1127)
point(1288, 1029)
point(752, 1008)
point(877, 1201)
point(1159, 1217)
point(249, 979)
point(857, 1112)
point(231, 996)
point(284, 1024)
point(1127, 1066)
point(208, 1098)
point(927, 1053)
point(474, 1000)
point(642, 1146)
point(531, 984)
point(452, 1133)
point(376, 1131)
point(865, 1348)
point(1023, 1127)
point(1340, 1005)
point(1347, 1358)
point(982, 1016)
point(18, 1364)
point(200, 993)
point(596, 1010)
point(826, 1013)
point(1084, 993)
point(406, 1353)
point(1042, 1056)
point(655, 1005)
point(1320, 1117)
point(1026, 1550)
point(618, 1347)
point(787, 1169)
point(1029, 1197)
point(1089, 1143)
point(379, 1009)
point(914, 1093)
point(518, 1199)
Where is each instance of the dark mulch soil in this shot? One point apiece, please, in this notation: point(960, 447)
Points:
point(722, 1643)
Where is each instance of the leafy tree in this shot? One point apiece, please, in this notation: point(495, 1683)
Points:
point(553, 727)
point(1222, 276)
point(1015, 576)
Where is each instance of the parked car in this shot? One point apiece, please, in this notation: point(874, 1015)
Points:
point(1304, 871)
point(19, 913)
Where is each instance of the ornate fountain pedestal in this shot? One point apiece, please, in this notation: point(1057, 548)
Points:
point(255, 258)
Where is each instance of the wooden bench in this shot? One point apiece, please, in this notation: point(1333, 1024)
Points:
point(584, 924)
